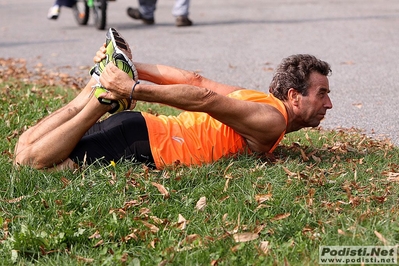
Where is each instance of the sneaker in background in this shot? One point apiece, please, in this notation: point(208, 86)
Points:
point(183, 21)
point(134, 13)
point(54, 12)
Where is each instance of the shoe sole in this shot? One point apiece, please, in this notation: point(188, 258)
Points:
point(116, 49)
point(116, 52)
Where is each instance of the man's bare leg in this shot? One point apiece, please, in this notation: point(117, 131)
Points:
point(59, 116)
point(49, 142)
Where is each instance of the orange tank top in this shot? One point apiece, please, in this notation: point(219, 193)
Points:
point(195, 138)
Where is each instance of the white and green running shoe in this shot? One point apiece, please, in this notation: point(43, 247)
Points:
point(118, 52)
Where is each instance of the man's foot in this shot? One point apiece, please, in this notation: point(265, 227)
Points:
point(135, 14)
point(118, 52)
point(54, 12)
point(183, 21)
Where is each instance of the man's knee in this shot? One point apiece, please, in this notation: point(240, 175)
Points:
point(17, 158)
point(24, 157)
point(195, 78)
point(21, 157)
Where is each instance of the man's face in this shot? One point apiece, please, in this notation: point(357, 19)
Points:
point(313, 107)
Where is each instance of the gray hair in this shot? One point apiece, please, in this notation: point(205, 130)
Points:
point(293, 72)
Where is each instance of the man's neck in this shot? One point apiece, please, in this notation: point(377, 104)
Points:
point(292, 124)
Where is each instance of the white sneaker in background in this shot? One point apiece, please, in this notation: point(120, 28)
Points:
point(53, 12)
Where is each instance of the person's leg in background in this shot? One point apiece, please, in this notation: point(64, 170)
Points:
point(145, 11)
point(55, 10)
point(181, 11)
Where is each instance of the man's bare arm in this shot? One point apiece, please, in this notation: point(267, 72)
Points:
point(259, 124)
point(167, 75)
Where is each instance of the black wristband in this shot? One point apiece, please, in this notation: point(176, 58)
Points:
point(131, 94)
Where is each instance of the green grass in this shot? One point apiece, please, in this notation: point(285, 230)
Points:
point(322, 188)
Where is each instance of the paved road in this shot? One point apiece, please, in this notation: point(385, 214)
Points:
point(238, 42)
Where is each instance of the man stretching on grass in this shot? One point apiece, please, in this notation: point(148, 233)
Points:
point(218, 120)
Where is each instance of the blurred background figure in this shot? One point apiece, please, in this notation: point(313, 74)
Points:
point(146, 9)
point(55, 10)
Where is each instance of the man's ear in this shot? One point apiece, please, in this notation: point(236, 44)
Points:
point(293, 96)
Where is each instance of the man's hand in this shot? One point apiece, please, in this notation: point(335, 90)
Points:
point(117, 82)
point(100, 54)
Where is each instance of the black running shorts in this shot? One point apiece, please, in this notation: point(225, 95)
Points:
point(121, 136)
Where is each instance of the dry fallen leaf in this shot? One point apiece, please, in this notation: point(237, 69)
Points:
point(16, 199)
point(381, 238)
point(392, 176)
point(305, 158)
point(144, 211)
point(264, 247)
point(226, 185)
point(191, 238)
point(181, 222)
point(214, 262)
point(260, 198)
point(280, 216)
point(124, 258)
point(65, 182)
point(152, 243)
point(235, 248)
point(289, 173)
point(161, 189)
point(130, 204)
point(245, 237)
point(152, 227)
point(201, 204)
point(163, 263)
point(379, 199)
point(130, 236)
point(95, 235)
point(99, 243)
point(316, 159)
point(86, 260)
point(190, 242)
